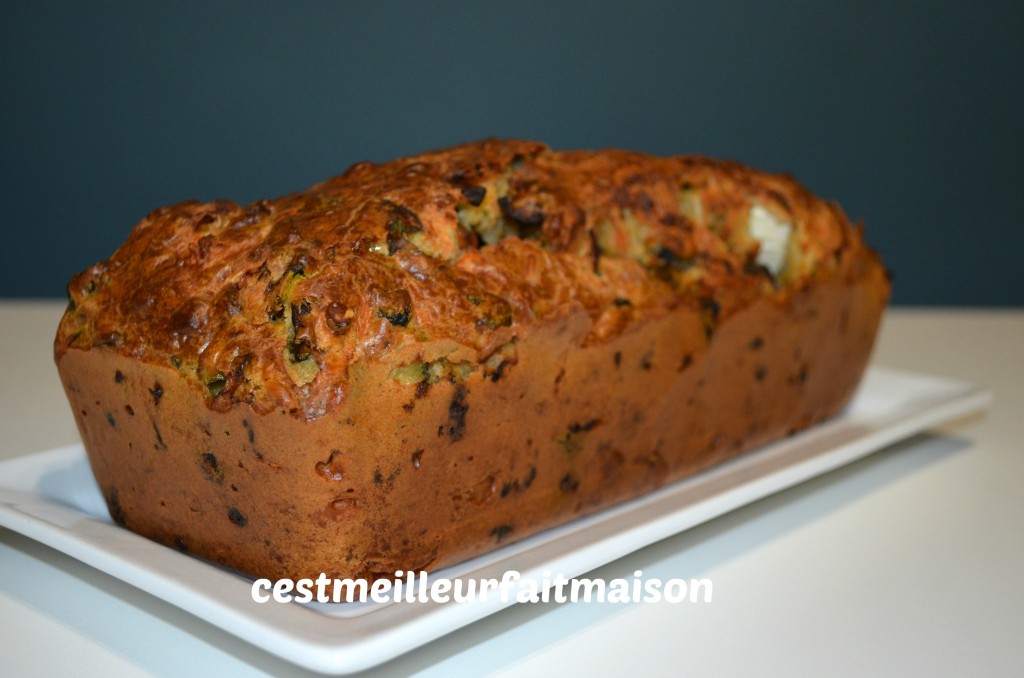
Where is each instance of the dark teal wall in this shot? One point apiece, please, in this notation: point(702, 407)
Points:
point(910, 116)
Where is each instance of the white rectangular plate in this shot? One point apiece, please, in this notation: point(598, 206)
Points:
point(52, 497)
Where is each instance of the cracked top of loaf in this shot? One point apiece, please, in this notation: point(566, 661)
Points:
point(452, 252)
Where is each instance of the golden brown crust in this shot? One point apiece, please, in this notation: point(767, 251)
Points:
point(269, 304)
point(417, 361)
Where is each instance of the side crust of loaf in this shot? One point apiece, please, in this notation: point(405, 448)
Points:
point(399, 477)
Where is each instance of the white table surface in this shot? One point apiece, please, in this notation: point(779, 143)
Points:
point(909, 562)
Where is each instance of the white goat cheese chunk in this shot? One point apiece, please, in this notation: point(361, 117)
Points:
point(773, 237)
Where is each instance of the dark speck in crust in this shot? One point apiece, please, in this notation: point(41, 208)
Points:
point(114, 506)
point(118, 377)
point(235, 516)
point(398, 317)
point(498, 371)
point(670, 260)
point(111, 420)
point(518, 485)
point(501, 532)
point(474, 194)
point(645, 362)
point(211, 469)
point(157, 392)
point(530, 476)
point(595, 252)
point(761, 372)
point(457, 415)
point(586, 426)
point(160, 444)
point(709, 310)
point(569, 484)
point(525, 217)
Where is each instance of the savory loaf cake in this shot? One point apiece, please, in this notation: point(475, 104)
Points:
point(417, 361)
